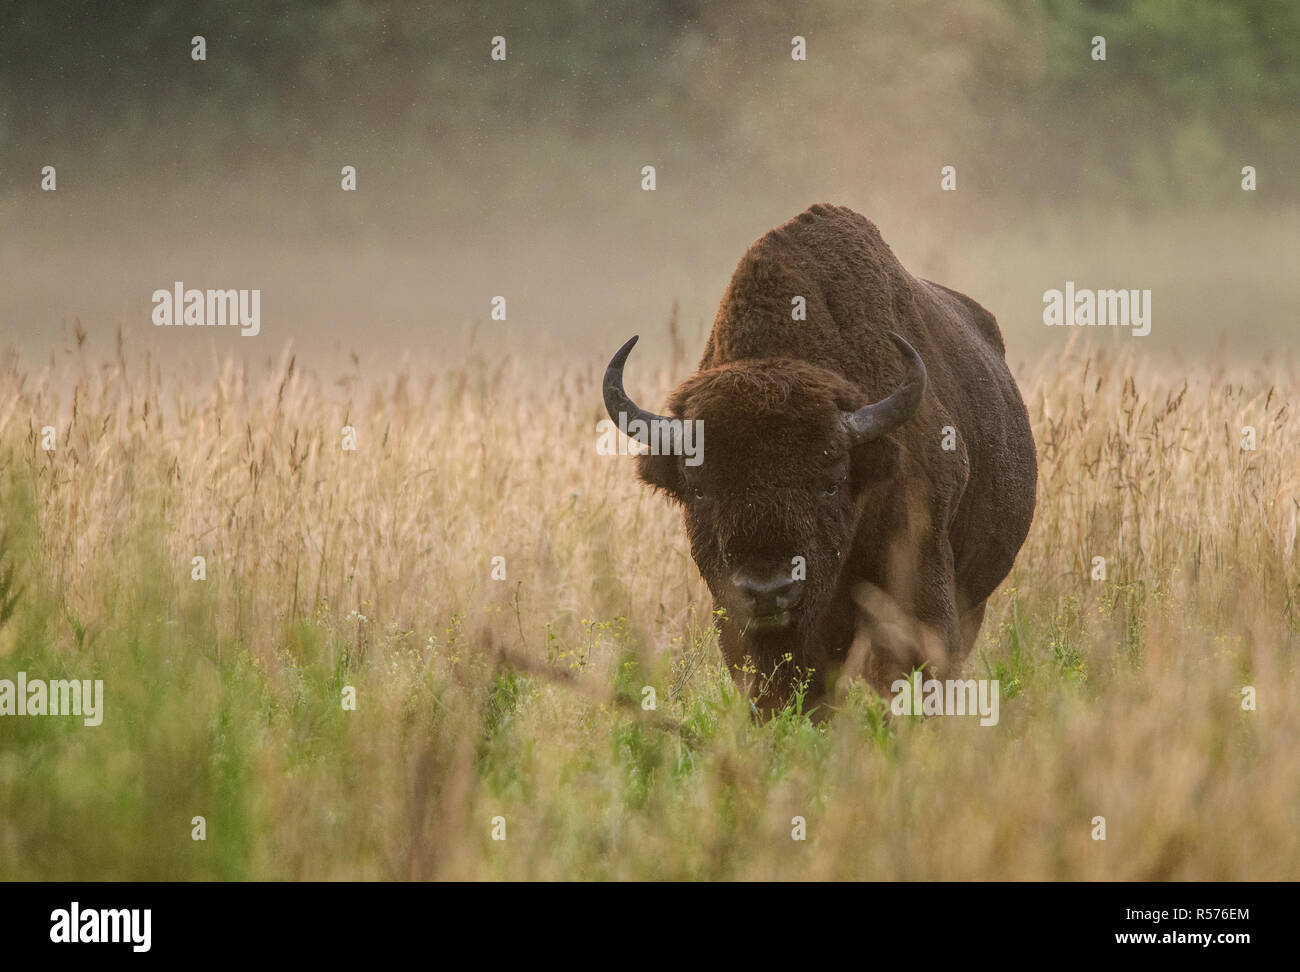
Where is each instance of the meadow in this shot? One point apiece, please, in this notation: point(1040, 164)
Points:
point(521, 698)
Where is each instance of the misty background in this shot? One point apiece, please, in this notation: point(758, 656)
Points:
point(522, 178)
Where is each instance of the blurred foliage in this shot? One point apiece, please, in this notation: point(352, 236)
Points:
point(1188, 86)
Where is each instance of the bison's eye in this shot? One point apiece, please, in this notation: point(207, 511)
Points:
point(698, 493)
point(832, 489)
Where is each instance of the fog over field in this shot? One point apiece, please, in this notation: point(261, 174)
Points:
point(522, 178)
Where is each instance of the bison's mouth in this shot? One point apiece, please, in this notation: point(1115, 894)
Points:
point(768, 622)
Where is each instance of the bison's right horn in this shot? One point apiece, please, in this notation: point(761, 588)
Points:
point(880, 418)
point(617, 401)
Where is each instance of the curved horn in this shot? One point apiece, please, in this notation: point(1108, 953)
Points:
point(880, 418)
point(616, 399)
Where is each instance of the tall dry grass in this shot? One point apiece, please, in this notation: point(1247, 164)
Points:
point(481, 698)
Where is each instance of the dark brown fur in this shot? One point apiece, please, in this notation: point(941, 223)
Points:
point(910, 547)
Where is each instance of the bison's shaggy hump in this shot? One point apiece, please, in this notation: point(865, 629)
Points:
point(837, 261)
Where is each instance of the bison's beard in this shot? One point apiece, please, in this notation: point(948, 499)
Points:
point(773, 661)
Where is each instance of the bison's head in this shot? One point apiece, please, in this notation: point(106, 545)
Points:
point(791, 463)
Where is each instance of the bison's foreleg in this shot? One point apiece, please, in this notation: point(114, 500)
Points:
point(972, 619)
point(939, 635)
point(915, 623)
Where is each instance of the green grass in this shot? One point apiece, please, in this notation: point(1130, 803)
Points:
point(524, 699)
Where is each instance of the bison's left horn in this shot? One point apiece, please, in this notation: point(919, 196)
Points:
point(617, 401)
point(880, 418)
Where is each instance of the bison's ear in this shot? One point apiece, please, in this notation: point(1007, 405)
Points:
point(662, 472)
point(873, 462)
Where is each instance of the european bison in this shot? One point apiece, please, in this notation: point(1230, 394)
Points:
point(882, 440)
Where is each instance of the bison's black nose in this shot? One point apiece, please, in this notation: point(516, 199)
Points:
point(764, 594)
